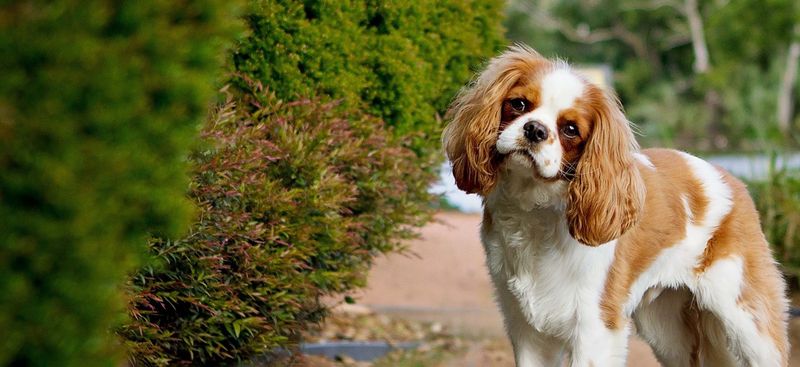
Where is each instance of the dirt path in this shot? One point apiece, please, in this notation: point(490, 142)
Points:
point(448, 282)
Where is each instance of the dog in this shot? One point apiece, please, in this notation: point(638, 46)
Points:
point(586, 235)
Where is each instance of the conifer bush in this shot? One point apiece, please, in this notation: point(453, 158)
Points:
point(402, 61)
point(99, 103)
point(295, 200)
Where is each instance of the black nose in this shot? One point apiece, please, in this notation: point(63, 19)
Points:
point(535, 131)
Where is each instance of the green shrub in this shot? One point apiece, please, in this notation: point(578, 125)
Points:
point(402, 61)
point(778, 201)
point(99, 102)
point(297, 194)
point(296, 198)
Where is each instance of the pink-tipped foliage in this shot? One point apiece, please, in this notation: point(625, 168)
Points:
point(294, 201)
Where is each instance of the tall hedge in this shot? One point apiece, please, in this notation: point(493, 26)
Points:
point(320, 160)
point(401, 61)
point(99, 103)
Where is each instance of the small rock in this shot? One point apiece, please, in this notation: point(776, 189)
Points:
point(352, 309)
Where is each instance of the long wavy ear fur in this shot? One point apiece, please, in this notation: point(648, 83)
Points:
point(607, 193)
point(469, 138)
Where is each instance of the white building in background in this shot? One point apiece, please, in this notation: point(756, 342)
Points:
point(467, 203)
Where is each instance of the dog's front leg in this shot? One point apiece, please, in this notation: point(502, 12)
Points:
point(597, 346)
point(531, 347)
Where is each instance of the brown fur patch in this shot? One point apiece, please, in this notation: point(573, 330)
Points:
point(526, 89)
point(573, 147)
point(662, 225)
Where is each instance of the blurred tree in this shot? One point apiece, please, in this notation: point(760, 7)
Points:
point(678, 63)
point(788, 81)
point(99, 103)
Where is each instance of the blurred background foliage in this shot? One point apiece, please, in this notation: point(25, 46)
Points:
point(99, 105)
point(778, 201)
point(700, 75)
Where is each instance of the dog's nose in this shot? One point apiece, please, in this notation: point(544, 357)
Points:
point(535, 131)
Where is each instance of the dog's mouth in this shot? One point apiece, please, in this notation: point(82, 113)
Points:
point(525, 154)
point(527, 159)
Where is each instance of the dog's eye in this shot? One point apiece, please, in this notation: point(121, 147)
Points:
point(570, 129)
point(518, 104)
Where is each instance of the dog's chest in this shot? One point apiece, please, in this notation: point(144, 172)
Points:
point(554, 279)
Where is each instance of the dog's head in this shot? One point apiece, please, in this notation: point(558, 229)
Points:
point(537, 118)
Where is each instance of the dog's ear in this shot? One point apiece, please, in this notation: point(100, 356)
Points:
point(470, 137)
point(607, 193)
point(469, 141)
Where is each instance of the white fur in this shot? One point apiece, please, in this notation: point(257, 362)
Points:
point(509, 139)
point(548, 285)
point(718, 289)
point(643, 159)
point(560, 88)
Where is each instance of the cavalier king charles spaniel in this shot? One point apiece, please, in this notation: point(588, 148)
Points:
point(584, 232)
